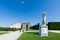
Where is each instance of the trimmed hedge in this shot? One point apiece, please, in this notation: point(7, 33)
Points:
point(9, 29)
point(54, 25)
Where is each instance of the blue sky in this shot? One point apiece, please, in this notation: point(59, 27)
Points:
point(12, 11)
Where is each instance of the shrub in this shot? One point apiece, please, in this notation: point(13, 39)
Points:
point(54, 25)
point(35, 27)
point(9, 29)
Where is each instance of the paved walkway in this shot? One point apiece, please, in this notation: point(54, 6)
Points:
point(15, 35)
point(56, 31)
point(32, 31)
point(11, 36)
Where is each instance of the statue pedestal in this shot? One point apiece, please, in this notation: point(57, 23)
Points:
point(43, 30)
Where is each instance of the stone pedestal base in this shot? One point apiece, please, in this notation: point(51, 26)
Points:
point(43, 30)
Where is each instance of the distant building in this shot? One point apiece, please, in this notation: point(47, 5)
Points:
point(26, 26)
point(15, 25)
point(21, 25)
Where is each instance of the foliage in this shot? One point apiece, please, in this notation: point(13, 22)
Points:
point(54, 25)
point(35, 27)
point(9, 29)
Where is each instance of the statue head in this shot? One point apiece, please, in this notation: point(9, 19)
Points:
point(44, 13)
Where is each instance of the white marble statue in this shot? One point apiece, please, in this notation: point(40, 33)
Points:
point(44, 18)
point(43, 29)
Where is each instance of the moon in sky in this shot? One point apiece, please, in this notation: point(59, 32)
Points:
point(22, 1)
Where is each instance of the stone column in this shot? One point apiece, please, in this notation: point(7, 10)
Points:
point(43, 30)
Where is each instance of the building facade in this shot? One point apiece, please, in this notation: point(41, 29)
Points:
point(21, 25)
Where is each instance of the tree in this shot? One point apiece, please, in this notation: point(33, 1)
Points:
point(35, 27)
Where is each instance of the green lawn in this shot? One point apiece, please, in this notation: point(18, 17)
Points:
point(33, 36)
point(3, 32)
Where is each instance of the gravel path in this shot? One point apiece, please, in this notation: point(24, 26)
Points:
point(15, 35)
point(56, 31)
point(11, 36)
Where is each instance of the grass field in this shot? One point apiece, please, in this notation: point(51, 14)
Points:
point(33, 36)
point(3, 32)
